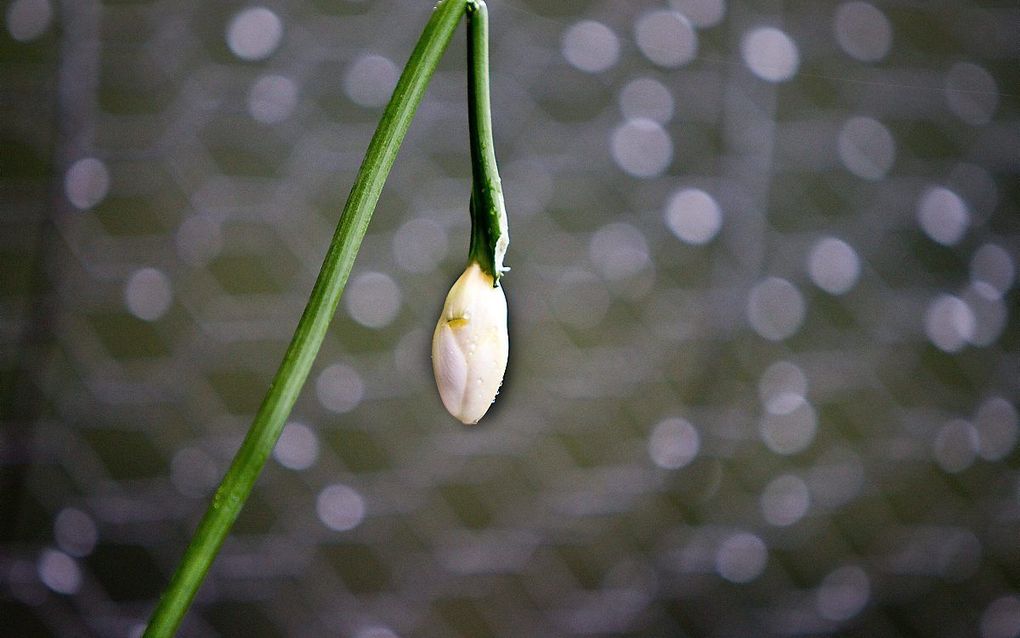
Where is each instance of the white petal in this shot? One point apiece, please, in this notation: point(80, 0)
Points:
point(450, 367)
point(470, 345)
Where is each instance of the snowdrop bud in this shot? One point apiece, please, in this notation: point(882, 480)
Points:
point(470, 345)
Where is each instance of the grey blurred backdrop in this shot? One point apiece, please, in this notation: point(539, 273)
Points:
point(764, 338)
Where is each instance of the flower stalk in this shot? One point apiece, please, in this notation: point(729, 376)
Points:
point(490, 236)
point(311, 329)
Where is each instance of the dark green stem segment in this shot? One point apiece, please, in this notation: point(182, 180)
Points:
point(489, 233)
point(311, 329)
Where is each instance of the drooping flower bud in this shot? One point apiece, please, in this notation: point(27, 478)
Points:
point(470, 345)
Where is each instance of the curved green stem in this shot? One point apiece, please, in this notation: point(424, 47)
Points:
point(489, 233)
point(311, 329)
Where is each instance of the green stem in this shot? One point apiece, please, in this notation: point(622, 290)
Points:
point(311, 328)
point(489, 234)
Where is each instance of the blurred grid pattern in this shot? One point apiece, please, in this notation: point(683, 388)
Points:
point(764, 347)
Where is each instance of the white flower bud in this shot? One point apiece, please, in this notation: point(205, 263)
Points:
point(470, 345)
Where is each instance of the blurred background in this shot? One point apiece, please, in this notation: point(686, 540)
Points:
point(764, 364)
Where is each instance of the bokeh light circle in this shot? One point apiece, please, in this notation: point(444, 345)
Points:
point(666, 38)
point(590, 46)
point(782, 387)
point(87, 182)
point(775, 309)
point(297, 447)
point(646, 98)
point(369, 81)
point(28, 19)
point(619, 251)
point(785, 500)
point(673, 443)
point(943, 215)
point(956, 445)
point(148, 294)
point(339, 388)
point(340, 508)
point(75, 532)
point(254, 33)
point(642, 148)
point(791, 431)
point(770, 54)
point(996, 425)
point(373, 299)
point(843, 593)
point(972, 93)
point(863, 31)
point(866, 148)
point(693, 215)
point(949, 323)
point(1001, 618)
point(741, 558)
point(59, 572)
point(833, 265)
point(991, 265)
point(272, 99)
